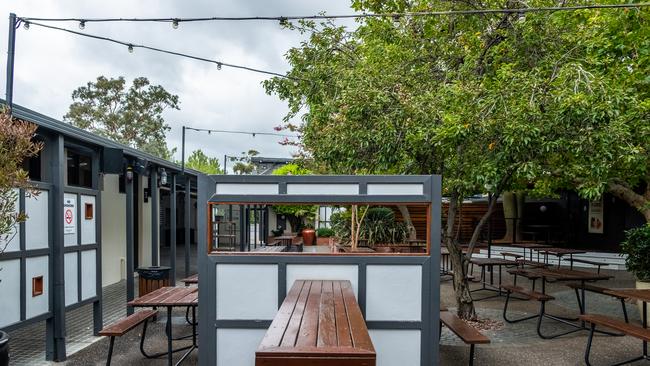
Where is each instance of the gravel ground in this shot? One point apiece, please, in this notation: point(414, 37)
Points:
point(516, 344)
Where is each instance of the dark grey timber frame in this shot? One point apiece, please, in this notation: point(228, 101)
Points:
point(429, 323)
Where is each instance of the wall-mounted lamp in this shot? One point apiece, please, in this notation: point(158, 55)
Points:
point(543, 208)
point(129, 174)
point(163, 177)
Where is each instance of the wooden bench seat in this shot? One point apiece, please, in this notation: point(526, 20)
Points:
point(577, 287)
point(124, 325)
point(532, 295)
point(632, 330)
point(464, 331)
point(318, 323)
point(525, 262)
point(511, 255)
point(586, 261)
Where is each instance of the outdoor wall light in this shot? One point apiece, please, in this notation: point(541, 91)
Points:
point(543, 208)
point(129, 174)
point(163, 177)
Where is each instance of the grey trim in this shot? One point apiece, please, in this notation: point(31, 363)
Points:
point(425, 335)
point(25, 254)
point(79, 304)
point(98, 313)
point(23, 323)
point(239, 323)
point(362, 282)
point(208, 275)
point(172, 230)
point(282, 283)
point(80, 190)
point(434, 272)
point(317, 259)
point(187, 221)
point(130, 243)
point(23, 261)
point(80, 248)
point(326, 199)
point(155, 207)
point(77, 247)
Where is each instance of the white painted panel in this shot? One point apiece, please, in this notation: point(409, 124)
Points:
point(247, 188)
point(393, 292)
point(71, 283)
point(70, 224)
point(10, 292)
point(325, 189)
point(113, 233)
point(11, 241)
point(88, 226)
point(36, 305)
point(247, 291)
point(395, 189)
point(88, 274)
point(236, 347)
point(36, 226)
point(396, 347)
point(323, 272)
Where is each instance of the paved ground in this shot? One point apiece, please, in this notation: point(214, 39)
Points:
point(514, 344)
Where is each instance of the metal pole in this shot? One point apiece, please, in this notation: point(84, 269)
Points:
point(11, 49)
point(225, 164)
point(489, 229)
point(130, 243)
point(186, 213)
point(155, 222)
point(172, 231)
point(183, 153)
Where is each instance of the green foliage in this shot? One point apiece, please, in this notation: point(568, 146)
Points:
point(16, 145)
point(378, 226)
point(291, 169)
point(130, 116)
point(324, 232)
point(201, 162)
point(637, 248)
point(297, 214)
point(537, 101)
point(244, 163)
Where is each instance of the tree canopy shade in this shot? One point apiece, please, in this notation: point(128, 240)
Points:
point(499, 102)
point(203, 163)
point(130, 116)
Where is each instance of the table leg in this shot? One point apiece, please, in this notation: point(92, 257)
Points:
point(583, 303)
point(645, 325)
point(168, 328)
point(500, 280)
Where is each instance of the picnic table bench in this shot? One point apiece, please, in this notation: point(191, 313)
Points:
point(586, 261)
point(318, 323)
point(464, 331)
point(123, 326)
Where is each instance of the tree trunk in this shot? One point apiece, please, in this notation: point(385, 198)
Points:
point(513, 212)
point(638, 201)
point(407, 220)
point(460, 263)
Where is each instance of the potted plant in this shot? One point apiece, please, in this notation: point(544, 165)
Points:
point(324, 235)
point(637, 248)
point(278, 231)
point(308, 234)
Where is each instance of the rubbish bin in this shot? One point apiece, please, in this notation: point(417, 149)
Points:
point(4, 349)
point(152, 278)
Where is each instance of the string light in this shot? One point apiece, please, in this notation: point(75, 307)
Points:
point(284, 19)
point(218, 65)
point(82, 25)
point(130, 48)
point(175, 24)
point(252, 133)
point(26, 25)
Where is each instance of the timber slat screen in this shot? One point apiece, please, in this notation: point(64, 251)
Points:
point(319, 323)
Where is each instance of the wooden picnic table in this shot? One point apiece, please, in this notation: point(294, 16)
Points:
point(490, 263)
point(562, 275)
point(531, 246)
point(318, 323)
point(559, 253)
point(191, 280)
point(170, 297)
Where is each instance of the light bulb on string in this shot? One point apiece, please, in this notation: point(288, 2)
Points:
point(82, 24)
point(218, 65)
point(130, 48)
point(26, 25)
point(175, 24)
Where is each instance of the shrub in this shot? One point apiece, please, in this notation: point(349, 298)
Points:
point(324, 232)
point(637, 248)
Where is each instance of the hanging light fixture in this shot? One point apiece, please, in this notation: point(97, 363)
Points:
point(163, 177)
point(82, 24)
point(130, 48)
point(175, 24)
point(129, 174)
point(26, 25)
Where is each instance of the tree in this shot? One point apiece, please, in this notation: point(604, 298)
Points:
point(201, 162)
point(489, 101)
point(244, 163)
point(296, 214)
point(132, 117)
point(16, 145)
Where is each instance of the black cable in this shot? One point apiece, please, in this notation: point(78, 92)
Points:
point(348, 16)
point(131, 46)
point(239, 132)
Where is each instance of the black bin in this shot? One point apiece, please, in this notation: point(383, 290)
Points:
point(152, 278)
point(4, 349)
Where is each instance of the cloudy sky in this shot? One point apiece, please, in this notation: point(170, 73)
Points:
point(51, 64)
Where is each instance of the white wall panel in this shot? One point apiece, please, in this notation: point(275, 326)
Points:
point(70, 239)
point(9, 292)
point(247, 291)
point(396, 347)
point(88, 274)
point(243, 188)
point(11, 242)
point(393, 292)
point(113, 231)
point(415, 189)
point(36, 305)
point(88, 226)
point(71, 283)
point(325, 189)
point(236, 347)
point(36, 226)
point(323, 272)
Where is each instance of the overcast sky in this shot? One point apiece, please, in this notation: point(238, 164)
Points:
point(50, 64)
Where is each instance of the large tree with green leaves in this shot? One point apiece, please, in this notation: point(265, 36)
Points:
point(493, 102)
point(132, 116)
point(198, 160)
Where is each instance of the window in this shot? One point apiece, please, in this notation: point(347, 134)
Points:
point(79, 169)
point(324, 214)
point(32, 166)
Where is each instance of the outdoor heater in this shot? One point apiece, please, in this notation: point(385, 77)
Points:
point(247, 270)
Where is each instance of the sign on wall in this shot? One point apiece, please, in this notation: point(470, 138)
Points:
point(70, 215)
point(595, 223)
